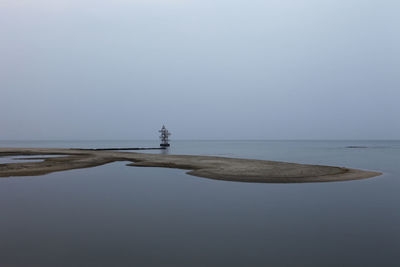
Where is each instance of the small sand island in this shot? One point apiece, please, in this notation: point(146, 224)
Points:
point(220, 168)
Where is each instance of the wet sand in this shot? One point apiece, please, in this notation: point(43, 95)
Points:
point(220, 168)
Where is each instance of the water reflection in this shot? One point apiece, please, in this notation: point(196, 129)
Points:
point(114, 215)
point(25, 158)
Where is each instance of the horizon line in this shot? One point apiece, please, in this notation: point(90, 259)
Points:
point(93, 140)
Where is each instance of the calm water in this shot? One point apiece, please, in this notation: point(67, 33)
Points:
point(115, 215)
point(25, 158)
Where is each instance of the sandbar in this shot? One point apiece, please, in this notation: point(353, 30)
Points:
point(219, 168)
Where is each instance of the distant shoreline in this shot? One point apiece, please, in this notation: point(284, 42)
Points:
point(219, 168)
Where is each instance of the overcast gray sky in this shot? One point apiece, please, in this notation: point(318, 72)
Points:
point(208, 69)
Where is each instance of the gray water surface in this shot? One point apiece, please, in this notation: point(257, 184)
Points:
point(114, 215)
point(25, 158)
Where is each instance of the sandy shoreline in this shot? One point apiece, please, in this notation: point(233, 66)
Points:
point(220, 168)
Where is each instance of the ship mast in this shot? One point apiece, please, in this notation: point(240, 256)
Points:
point(164, 137)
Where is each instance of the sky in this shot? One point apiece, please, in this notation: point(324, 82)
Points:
point(207, 69)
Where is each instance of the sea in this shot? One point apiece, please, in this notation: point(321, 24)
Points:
point(116, 215)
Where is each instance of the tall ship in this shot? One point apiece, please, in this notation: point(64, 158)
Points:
point(164, 137)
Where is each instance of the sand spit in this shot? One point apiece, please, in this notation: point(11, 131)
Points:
point(220, 168)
